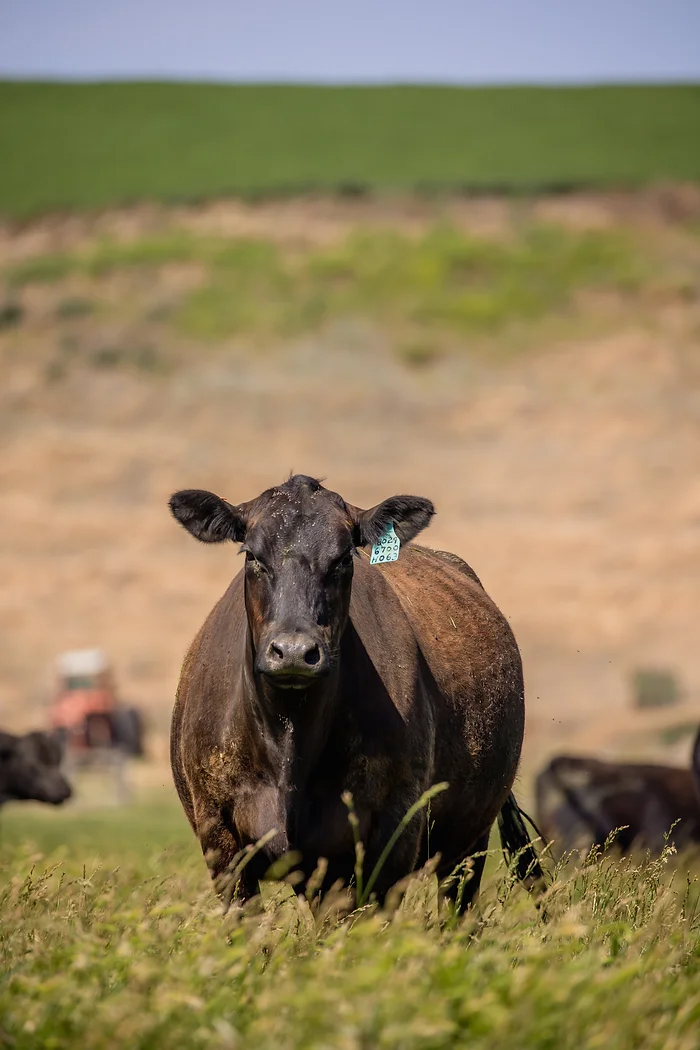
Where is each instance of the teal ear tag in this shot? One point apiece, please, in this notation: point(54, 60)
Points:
point(387, 547)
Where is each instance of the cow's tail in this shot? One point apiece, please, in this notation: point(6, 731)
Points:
point(517, 845)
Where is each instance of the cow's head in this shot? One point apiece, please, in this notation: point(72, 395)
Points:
point(30, 768)
point(300, 542)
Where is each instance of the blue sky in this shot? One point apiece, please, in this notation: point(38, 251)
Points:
point(449, 41)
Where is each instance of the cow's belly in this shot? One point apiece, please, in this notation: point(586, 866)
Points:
point(312, 825)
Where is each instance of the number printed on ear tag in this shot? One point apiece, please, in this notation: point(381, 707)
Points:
point(387, 547)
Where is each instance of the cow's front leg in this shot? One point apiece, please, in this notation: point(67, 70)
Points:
point(403, 857)
point(221, 850)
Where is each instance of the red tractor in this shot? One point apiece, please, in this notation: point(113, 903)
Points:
point(85, 711)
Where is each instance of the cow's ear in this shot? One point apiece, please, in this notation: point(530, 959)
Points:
point(208, 517)
point(408, 514)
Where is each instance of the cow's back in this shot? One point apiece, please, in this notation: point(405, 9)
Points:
point(582, 801)
point(466, 642)
point(474, 669)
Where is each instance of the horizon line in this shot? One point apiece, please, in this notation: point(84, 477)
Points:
point(216, 81)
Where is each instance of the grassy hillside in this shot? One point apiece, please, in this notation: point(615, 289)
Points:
point(430, 287)
point(91, 145)
point(104, 946)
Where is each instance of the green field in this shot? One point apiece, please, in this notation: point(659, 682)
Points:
point(114, 939)
point(92, 145)
point(441, 283)
point(432, 295)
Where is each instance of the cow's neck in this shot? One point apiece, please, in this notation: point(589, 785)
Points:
point(291, 726)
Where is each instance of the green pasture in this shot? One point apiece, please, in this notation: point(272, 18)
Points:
point(73, 146)
point(427, 288)
point(83, 833)
point(110, 937)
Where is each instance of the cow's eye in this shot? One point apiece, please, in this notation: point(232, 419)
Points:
point(345, 562)
point(255, 562)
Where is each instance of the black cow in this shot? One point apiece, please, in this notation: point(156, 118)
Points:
point(582, 801)
point(319, 674)
point(30, 768)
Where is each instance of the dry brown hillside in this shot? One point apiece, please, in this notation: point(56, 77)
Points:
point(562, 449)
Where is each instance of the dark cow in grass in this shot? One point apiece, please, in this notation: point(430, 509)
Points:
point(581, 802)
point(30, 768)
point(318, 674)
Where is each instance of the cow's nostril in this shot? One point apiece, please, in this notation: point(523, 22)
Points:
point(276, 650)
point(312, 655)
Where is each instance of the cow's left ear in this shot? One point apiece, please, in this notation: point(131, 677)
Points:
point(207, 517)
point(408, 514)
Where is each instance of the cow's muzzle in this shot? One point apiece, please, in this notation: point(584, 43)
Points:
point(60, 792)
point(52, 788)
point(293, 660)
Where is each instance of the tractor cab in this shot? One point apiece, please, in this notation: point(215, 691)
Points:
point(85, 710)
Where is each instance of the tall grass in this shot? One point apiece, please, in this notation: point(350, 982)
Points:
point(134, 951)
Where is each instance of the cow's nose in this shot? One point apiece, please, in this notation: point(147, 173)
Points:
point(294, 652)
point(292, 659)
point(61, 791)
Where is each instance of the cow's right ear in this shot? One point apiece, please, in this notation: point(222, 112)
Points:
point(208, 517)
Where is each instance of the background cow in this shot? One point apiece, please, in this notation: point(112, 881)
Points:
point(30, 768)
point(319, 673)
point(581, 801)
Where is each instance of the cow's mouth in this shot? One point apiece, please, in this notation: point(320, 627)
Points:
point(291, 681)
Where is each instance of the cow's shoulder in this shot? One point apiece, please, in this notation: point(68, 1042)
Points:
point(441, 593)
point(457, 627)
point(451, 559)
point(377, 612)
